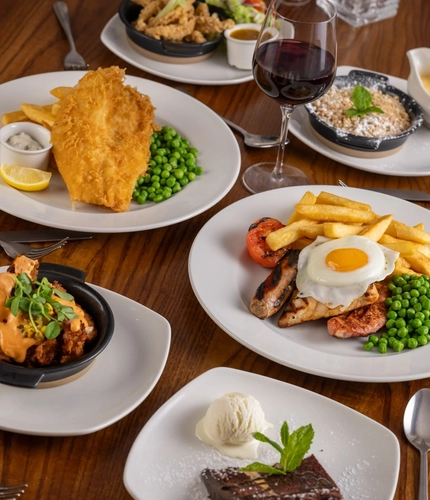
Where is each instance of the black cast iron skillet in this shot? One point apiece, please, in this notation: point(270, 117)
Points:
point(360, 143)
point(73, 280)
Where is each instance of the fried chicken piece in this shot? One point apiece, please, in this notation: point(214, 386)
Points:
point(180, 15)
point(23, 264)
point(150, 10)
point(202, 9)
point(208, 25)
point(196, 37)
point(101, 139)
point(173, 32)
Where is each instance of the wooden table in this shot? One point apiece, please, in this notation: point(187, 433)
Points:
point(91, 466)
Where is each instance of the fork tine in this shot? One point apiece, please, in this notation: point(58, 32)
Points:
point(12, 492)
point(36, 253)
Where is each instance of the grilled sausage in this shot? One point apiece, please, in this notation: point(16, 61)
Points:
point(275, 290)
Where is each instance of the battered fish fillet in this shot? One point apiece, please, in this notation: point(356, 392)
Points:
point(101, 139)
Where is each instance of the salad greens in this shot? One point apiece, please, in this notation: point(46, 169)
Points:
point(295, 446)
point(238, 11)
point(36, 299)
point(170, 5)
point(362, 100)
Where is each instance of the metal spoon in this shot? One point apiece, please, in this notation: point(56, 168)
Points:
point(417, 429)
point(254, 140)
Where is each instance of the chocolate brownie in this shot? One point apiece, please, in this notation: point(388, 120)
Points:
point(309, 481)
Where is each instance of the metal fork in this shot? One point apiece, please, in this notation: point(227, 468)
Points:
point(73, 60)
point(12, 492)
point(14, 249)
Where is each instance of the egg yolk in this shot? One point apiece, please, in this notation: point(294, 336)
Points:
point(343, 260)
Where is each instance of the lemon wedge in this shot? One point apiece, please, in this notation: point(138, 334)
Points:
point(24, 178)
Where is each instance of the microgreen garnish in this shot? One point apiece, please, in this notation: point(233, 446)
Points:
point(362, 100)
point(295, 446)
point(37, 299)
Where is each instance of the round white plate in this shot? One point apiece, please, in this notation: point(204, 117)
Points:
point(225, 288)
point(115, 384)
point(212, 71)
point(411, 161)
point(166, 459)
point(219, 155)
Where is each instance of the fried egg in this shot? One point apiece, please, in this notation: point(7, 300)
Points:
point(337, 271)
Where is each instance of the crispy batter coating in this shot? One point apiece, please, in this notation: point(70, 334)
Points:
point(183, 24)
point(101, 139)
point(173, 32)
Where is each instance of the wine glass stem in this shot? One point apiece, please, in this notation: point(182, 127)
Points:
point(278, 171)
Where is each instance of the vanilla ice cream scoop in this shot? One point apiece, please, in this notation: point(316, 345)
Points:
point(229, 423)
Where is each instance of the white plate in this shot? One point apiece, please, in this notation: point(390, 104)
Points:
point(225, 287)
point(115, 384)
point(212, 71)
point(411, 161)
point(166, 459)
point(219, 155)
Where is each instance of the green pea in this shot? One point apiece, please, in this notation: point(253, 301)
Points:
point(368, 346)
point(374, 339)
point(412, 343)
point(382, 347)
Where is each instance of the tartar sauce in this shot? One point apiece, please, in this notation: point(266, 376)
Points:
point(24, 142)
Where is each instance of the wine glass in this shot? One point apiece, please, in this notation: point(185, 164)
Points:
point(294, 62)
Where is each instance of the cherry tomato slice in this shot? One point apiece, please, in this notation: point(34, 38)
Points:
point(258, 249)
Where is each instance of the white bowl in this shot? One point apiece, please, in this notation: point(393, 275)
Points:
point(10, 155)
point(240, 52)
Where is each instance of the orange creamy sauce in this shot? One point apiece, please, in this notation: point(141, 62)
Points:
point(12, 341)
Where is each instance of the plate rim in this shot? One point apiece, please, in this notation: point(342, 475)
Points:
point(257, 332)
point(230, 374)
point(115, 22)
point(100, 220)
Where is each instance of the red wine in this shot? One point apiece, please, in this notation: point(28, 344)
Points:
point(293, 72)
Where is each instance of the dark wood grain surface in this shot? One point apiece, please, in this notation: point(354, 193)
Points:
point(150, 267)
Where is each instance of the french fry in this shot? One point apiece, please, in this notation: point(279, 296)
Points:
point(419, 262)
point(405, 248)
point(301, 243)
point(312, 231)
point(325, 198)
point(401, 261)
point(402, 231)
point(398, 269)
point(13, 116)
point(307, 199)
point(377, 228)
point(39, 114)
point(61, 92)
point(340, 229)
point(334, 213)
point(287, 235)
point(420, 225)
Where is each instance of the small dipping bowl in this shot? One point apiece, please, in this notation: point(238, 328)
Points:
point(241, 40)
point(10, 155)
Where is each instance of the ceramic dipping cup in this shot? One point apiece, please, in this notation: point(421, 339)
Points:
point(10, 155)
point(241, 40)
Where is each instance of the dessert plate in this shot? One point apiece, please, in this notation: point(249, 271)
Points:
point(411, 161)
point(114, 385)
point(212, 71)
point(219, 155)
point(225, 288)
point(166, 459)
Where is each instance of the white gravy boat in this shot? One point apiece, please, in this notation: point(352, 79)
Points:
point(419, 88)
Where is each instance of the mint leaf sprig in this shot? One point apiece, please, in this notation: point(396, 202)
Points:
point(37, 299)
point(295, 446)
point(362, 100)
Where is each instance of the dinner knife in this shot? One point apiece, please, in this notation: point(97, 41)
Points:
point(405, 194)
point(41, 235)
